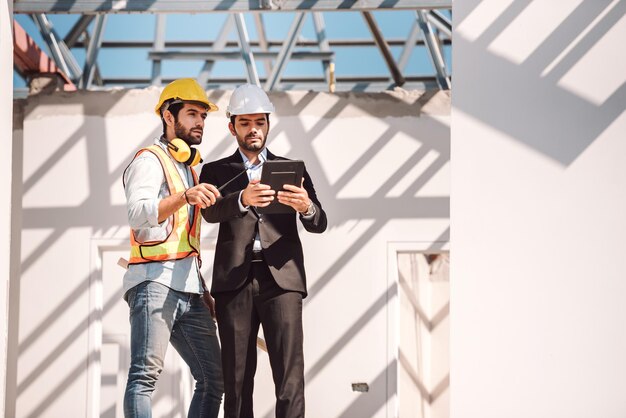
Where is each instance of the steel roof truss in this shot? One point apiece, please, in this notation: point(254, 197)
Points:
point(434, 50)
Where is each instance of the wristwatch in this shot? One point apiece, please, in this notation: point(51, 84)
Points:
point(310, 211)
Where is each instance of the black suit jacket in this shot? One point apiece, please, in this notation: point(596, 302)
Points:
point(281, 244)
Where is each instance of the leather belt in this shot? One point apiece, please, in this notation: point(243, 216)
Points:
point(257, 256)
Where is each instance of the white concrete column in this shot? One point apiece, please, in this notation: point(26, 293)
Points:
point(538, 234)
point(6, 125)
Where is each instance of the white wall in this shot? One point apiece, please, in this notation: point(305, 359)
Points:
point(538, 204)
point(6, 123)
point(380, 164)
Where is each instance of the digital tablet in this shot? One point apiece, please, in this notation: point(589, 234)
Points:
point(275, 174)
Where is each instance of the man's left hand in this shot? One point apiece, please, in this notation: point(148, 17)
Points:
point(209, 302)
point(294, 196)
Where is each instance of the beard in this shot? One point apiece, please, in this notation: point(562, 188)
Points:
point(190, 136)
point(251, 146)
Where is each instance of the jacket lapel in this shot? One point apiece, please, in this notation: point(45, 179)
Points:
point(235, 163)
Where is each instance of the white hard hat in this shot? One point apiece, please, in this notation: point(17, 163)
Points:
point(248, 99)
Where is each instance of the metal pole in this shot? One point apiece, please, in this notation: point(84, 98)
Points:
point(53, 45)
point(433, 48)
point(260, 30)
point(409, 46)
point(322, 39)
point(59, 51)
point(159, 45)
point(92, 51)
point(97, 77)
point(246, 52)
point(285, 52)
point(218, 45)
point(398, 78)
point(441, 21)
point(77, 30)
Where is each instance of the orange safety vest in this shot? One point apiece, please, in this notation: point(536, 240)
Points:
point(184, 239)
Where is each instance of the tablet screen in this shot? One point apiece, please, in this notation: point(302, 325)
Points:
point(276, 173)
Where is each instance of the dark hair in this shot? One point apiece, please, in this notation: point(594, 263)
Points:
point(267, 119)
point(174, 110)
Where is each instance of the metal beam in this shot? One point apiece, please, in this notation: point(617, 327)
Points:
point(205, 6)
point(322, 40)
point(285, 53)
point(159, 44)
point(263, 44)
point(434, 50)
point(60, 52)
point(236, 55)
point(345, 83)
point(384, 48)
point(96, 72)
point(255, 44)
point(440, 21)
point(81, 26)
point(92, 51)
point(218, 46)
point(246, 52)
point(409, 46)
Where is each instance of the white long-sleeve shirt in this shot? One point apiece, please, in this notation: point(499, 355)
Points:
point(145, 187)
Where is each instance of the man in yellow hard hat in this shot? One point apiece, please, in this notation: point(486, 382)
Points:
point(163, 286)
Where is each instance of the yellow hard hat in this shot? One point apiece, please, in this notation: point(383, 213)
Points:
point(185, 90)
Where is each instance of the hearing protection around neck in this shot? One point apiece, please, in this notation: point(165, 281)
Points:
point(182, 152)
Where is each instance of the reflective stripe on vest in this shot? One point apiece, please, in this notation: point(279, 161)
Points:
point(184, 239)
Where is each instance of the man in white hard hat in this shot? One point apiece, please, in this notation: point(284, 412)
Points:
point(258, 273)
point(163, 286)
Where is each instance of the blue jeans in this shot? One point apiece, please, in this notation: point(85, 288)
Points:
point(159, 314)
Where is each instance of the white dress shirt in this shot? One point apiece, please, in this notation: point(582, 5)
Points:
point(254, 172)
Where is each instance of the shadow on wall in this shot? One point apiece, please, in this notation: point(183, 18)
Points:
point(547, 77)
point(383, 202)
point(95, 212)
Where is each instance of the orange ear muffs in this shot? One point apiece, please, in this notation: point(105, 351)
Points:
point(182, 152)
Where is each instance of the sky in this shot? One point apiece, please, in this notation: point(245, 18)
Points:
point(349, 61)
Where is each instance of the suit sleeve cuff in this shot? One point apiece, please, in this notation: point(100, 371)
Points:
point(242, 208)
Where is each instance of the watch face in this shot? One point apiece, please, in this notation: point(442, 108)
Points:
point(310, 210)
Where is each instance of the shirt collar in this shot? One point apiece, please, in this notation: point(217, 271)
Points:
point(262, 158)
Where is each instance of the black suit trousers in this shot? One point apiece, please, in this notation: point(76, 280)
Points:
point(239, 313)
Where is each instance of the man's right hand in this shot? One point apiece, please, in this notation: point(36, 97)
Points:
point(202, 195)
point(257, 194)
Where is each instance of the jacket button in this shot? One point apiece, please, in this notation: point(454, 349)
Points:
point(261, 220)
